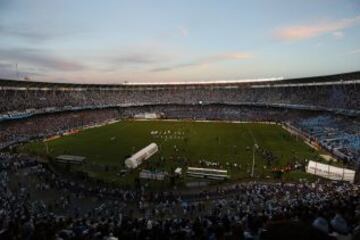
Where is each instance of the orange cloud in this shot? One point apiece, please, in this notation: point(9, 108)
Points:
point(300, 32)
point(228, 56)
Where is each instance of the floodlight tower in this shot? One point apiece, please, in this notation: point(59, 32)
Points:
point(253, 160)
point(16, 71)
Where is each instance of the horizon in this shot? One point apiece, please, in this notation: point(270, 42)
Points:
point(95, 43)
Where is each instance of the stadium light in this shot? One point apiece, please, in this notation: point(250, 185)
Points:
point(256, 146)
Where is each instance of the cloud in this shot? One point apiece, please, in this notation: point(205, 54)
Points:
point(134, 58)
point(356, 51)
point(6, 65)
point(4, 4)
point(8, 70)
point(299, 32)
point(184, 32)
point(35, 33)
point(233, 56)
point(131, 58)
point(228, 56)
point(39, 58)
point(23, 32)
point(338, 35)
point(178, 66)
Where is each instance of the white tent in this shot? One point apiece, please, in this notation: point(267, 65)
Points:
point(135, 160)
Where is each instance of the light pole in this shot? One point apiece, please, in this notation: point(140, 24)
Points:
point(253, 160)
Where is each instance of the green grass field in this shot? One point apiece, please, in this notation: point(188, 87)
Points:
point(181, 144)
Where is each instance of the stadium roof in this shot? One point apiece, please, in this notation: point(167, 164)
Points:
point(315, 79)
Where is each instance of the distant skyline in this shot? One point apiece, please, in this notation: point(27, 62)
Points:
point(112, 41)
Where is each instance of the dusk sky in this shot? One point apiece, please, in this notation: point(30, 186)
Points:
point(113, 41)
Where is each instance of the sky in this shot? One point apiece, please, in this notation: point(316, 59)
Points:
point(117, 41)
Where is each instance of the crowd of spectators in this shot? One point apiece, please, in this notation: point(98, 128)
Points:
point(336, 134)
point(42, 126)
point(81, 210)
point(338, 96)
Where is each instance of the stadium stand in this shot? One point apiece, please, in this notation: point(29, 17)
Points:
point(335, 94)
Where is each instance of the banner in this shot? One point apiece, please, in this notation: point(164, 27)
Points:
point(146, 174)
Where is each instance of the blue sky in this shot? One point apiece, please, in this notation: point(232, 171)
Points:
point(113, 41)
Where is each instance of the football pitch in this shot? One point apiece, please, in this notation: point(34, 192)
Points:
point(181, 143)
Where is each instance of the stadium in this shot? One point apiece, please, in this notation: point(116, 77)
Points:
point(179, 120)
point(197, 126)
